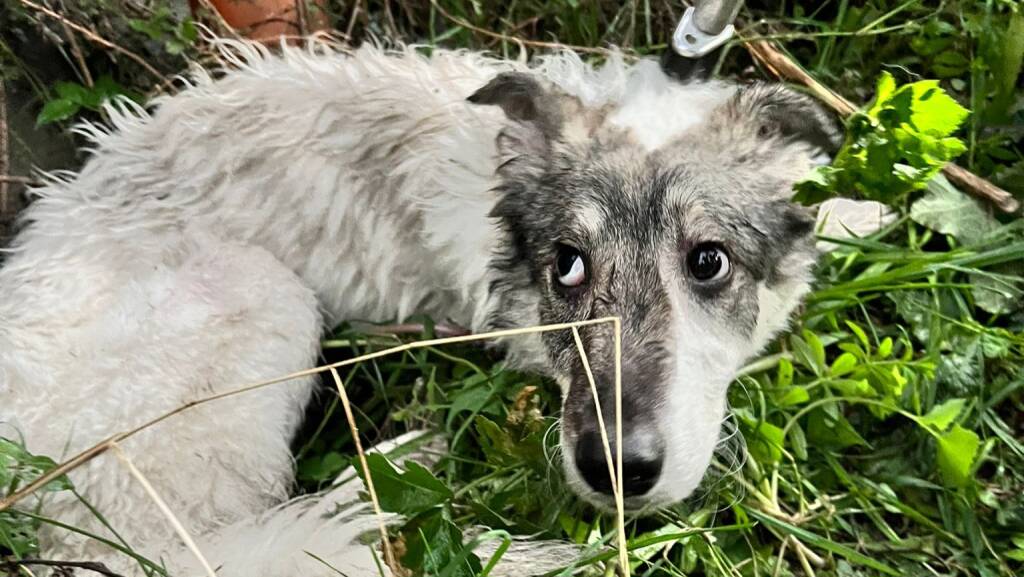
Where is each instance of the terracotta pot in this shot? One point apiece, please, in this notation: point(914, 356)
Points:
point(268, 20)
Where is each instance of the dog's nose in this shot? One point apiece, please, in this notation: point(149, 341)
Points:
point(642, 458)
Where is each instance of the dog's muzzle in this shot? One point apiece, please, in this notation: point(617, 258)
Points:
point(643, 455)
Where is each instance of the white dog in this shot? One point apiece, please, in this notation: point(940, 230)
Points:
point(207, 244)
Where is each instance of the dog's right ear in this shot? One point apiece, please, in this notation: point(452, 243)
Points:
point(538, 112)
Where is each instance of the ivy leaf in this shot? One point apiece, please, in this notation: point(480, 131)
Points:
point(957, 449)
point(410, 492)
point(57, 110)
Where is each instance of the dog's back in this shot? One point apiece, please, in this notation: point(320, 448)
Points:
point(196, 251)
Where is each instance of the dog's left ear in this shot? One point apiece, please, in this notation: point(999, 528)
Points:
point(777, 111)
point(523, 98)
point(540, 115)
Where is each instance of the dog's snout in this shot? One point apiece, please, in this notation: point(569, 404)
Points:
point(642, 458)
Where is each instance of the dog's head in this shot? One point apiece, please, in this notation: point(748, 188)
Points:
point(673, 215)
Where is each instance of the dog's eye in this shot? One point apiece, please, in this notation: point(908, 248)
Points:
point(569, 266)
point(708, 262)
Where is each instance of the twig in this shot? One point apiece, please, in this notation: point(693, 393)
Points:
point(4, 152)
point(389, 554)
point(93, 566)
point(220, 19)
point(76, 50)
point(166, 510)
point(784, 68)
point(352, 20)
point(7, 178)
point(302, 17)
point(96, 38)
point(104, 445)
point(390, 19)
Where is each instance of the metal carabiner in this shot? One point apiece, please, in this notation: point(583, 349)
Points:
point(705, 26)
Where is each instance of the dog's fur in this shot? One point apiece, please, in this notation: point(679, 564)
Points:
point(206, 245)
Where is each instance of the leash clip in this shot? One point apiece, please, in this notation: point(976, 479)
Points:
point(701, 32)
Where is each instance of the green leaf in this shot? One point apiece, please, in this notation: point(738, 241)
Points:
point(957, 449)
point(152, 28)
point(798, 441)
point(57, 110)
point(764, 440)
point(808, 354)
point(1000, 290)
point(885, 348)
point(946, 210)
point(861, 335)
point(502, 447)
point(843, 364)
point(933, 110)
point(410, 492)
point(188, 31)
point(794, 396)
point(832, 431)
point(434, 546)
point(817, 349)
point(784, 377)
point(942, 416)
point(18, 467)
point(73, 92)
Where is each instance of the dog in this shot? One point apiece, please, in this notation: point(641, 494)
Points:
point(208, 242)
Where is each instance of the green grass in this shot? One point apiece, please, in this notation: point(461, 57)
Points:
point(884, 435)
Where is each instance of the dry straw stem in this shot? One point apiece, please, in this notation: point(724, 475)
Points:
point(783, 67)
point(162, 505)
point(389, 554)
point(615, 479)
point(111, 442)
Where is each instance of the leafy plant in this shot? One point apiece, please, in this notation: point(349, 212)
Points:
point(895, 146)
point(73, 97)
point(161, 26)
point(18, 467)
